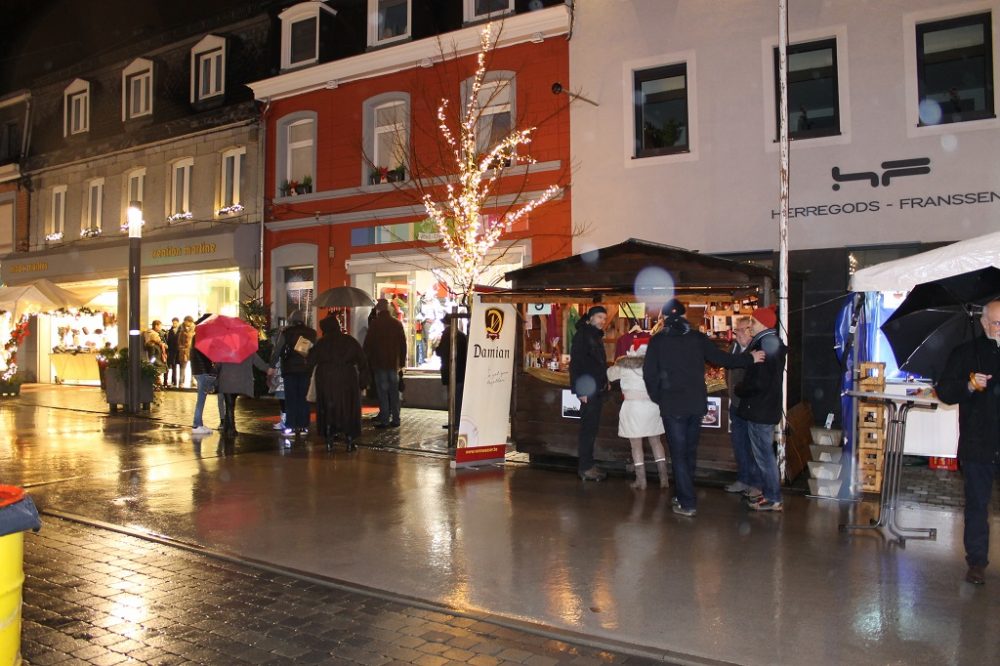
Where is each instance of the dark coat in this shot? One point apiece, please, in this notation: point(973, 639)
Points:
point(341, 371)
point(200, 365)
point(292, 362)
point(760, 389)
point(674, 369)
point(978, 411)
point(588, 360)
point(237, 378)
point(462, 354)
point(385, 344)
point(173, 346)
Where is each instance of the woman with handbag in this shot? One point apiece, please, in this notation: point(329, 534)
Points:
point(291, 349)
point(203, 372)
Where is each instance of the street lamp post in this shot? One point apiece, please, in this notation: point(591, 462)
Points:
point(135, 223)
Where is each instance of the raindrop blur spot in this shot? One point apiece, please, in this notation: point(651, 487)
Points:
point(654, 286)
point(819, 393)
point(949, 143)
point(771, 345)
point(744, 529)
point(224, 476)
point(590, 256)
point(930, 112)
point(585, 385)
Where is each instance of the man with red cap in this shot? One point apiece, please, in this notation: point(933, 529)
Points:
point(760, 394)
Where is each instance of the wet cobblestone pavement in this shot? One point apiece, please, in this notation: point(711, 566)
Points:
point(93, 596)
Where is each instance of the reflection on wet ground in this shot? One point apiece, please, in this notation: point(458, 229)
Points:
point(526, 543)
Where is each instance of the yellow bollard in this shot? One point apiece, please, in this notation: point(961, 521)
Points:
point(11, 580)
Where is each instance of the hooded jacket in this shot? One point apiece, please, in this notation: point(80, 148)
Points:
point(674, 370)
point(760, 389)
point(978, 411)
point(588, 361)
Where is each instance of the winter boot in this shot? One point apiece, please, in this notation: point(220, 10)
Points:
point(640, 476)
point(661, 468)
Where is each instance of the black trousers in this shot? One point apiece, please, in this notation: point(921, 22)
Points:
point(229, 420)
point(590, 421)
point(978, 489)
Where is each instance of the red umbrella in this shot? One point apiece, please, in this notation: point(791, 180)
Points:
point(226, 339)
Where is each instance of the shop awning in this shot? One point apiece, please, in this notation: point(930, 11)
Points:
point(906, 273)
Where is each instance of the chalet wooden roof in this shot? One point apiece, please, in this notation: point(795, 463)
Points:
point(614, 269)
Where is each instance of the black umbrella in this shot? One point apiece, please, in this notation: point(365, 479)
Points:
point(343, 297)
point(936, 317)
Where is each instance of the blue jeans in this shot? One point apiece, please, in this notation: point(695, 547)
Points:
point(978, 488)
point(387, 387)
point(762, 445)
point(199, 406)
point(683, 433)
point(747, 472)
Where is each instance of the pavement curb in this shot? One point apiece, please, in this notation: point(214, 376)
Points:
point(545, 631)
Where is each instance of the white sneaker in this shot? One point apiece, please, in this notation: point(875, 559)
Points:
point(287, 432)
point(280, 425)
point(201, 430)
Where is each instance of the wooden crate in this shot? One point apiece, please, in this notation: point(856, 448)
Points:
point(871, 415)
point(871, 438)
point(871, 377)
point(870, 481)
point(871, 459)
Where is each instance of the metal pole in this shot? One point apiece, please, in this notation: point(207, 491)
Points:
point(452, 379)
point(134, 274)
point(783, 219)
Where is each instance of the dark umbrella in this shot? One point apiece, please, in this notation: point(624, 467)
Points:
point(936, 317)
point(343, 297)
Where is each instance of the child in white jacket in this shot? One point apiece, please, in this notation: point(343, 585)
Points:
point(639, 416)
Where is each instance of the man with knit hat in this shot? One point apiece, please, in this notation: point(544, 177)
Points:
point(760, 394)
point(588, 377)
point(674, 373)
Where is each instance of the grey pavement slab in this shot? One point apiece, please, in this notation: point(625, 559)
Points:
point(537, 546)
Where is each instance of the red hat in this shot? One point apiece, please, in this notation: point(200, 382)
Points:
point(766, 316)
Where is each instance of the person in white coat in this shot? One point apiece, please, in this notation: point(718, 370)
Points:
point(639, 417)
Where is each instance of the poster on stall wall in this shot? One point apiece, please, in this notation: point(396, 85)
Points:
point(489, 378)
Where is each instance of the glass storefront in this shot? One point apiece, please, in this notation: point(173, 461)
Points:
point(194, 294)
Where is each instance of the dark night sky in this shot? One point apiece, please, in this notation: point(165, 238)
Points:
point(39, 36)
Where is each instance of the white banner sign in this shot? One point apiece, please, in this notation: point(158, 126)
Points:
point(489, 379)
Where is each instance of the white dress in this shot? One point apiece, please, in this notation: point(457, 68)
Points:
point(639, 416)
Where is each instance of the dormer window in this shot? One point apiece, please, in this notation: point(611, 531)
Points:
point(137, 89)
point(208, 68)
point(388, 21)
point(76, 108)
point(300, 33)
point(478, 10)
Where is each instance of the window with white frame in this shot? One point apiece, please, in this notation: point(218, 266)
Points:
point(232, 175)
point(57, 214)
point(496, 113)
point(76, 108)
point(955, 69)
point(476, 10)
point(137, 89)
point(208, 68)
point(180, 189)
point(390, 145)
point(388, 21)
point(135, 184)
point(300, 33)
point(93, 208)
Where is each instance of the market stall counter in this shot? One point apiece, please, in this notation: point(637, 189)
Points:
point(631, 280)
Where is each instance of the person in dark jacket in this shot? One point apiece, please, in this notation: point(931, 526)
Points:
point(203, 372)
point(971, 379)
point(747, 475)
point(236, 379)
point(760, 406)
point(588, 379)
point(461, 355)
point(674, 373)
point(341, 371)
point(295, 371)
point(173, 353)
point(385, 347)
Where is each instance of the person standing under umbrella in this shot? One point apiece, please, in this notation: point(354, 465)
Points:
point(291, 349)
point(237, 379)
point(202, 370)
point(971, 379)
point(341, 371)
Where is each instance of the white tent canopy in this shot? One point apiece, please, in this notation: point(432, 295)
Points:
point(38, 296)
point(955, 259)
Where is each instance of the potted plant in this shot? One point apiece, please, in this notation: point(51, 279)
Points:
point(306, 186)
point(10, 387)
point(285, 189)
point(117, 381)
point(398, 174)
point(293, 187)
